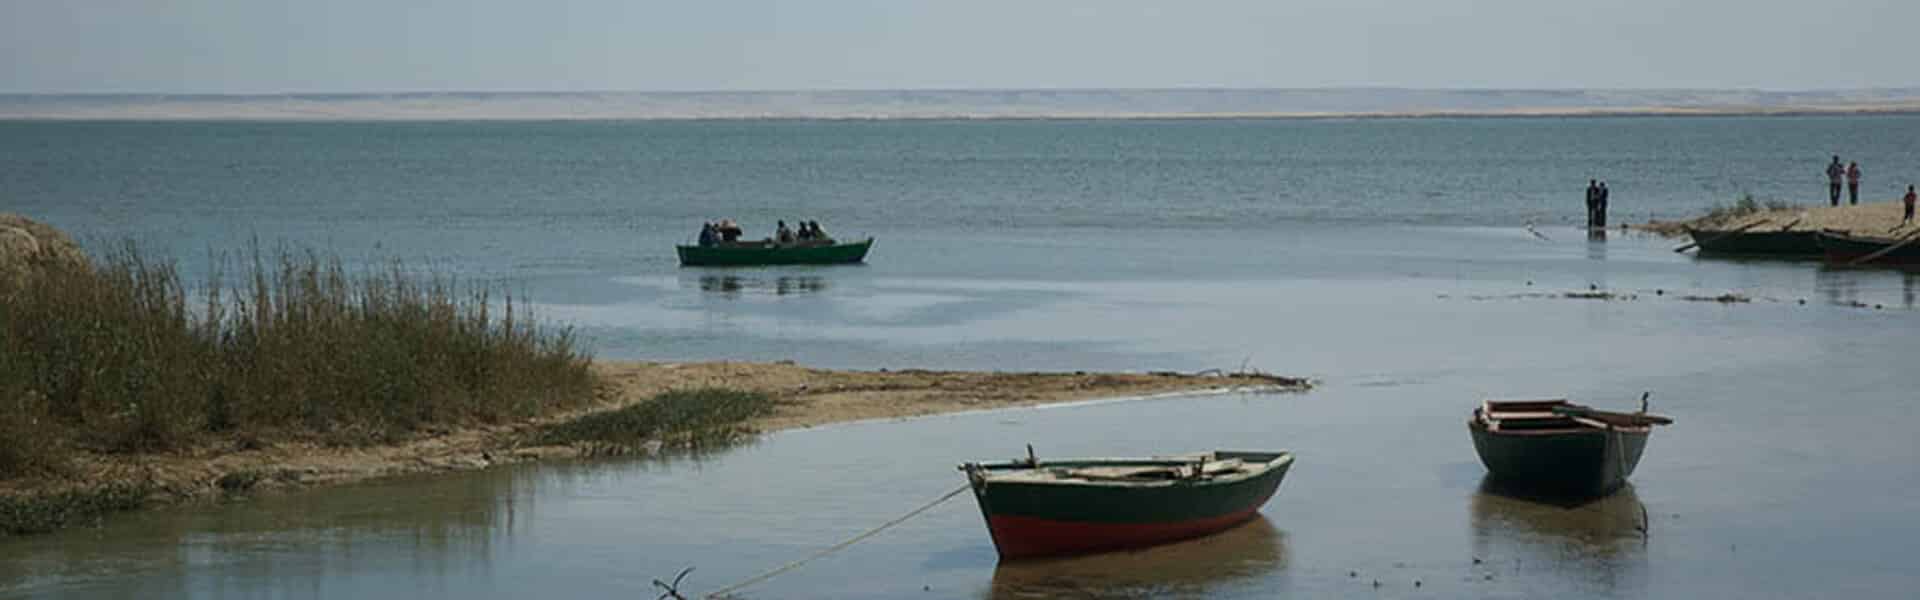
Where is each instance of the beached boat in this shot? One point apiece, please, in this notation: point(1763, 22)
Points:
point(1842, 248)
point(745, 254)
point(1770, 244)
point(1050, 508)
point(1560, 447)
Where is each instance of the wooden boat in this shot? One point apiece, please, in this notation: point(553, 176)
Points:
point(1559, 447)
point(745, 254)
point(1774, 244)
point(1843, 248)
point(1050, 508)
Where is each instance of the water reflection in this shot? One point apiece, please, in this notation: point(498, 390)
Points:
point(1595, 541)
point(1841, 286)
point(1195, 568)
point(1909, 288)
point(735, 285)
point(426, 527)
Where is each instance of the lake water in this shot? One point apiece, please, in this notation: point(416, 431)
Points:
point(1389, 259)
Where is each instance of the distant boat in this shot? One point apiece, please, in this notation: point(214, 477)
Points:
point(1760, 244)
point(1560, 447)
point(745, 254)
point(1052, 508)
point(1845, 248)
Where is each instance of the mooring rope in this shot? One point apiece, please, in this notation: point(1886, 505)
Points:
point(836, 547)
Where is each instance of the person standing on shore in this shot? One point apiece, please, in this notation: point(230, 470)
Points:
point(1834, 172)
point(1600, 206)
point(1908, 201)
point(1853, 183)
point(1593, 200)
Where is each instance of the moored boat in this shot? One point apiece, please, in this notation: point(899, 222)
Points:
point(747, 254)
point(1772, 244)
point(1559, 447)
point(1039, 508)
point(1844, 248)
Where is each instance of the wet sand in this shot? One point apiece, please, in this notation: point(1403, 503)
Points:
point(807, 397)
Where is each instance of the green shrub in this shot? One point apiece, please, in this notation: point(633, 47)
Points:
point(689, 417)
point(1746, 205)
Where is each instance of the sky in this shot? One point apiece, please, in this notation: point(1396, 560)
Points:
point(346, 46)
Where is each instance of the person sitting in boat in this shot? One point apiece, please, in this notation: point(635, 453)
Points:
point(782, 234)
point(817, 233)
point(805, 234)
point(729, 231)
point(707, 231)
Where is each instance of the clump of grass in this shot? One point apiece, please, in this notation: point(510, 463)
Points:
point(41, 513)
point(117, 358)
point(691, 418)
point(1746, 205)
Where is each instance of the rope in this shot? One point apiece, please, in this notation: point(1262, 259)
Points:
point(837, 547)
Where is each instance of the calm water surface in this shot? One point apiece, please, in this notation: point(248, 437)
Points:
point(1788, 474)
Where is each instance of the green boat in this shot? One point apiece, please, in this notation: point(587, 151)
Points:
point(1039, 508)
point(752, 254)
point(1847, 249)
point(1559, 447)
point(1757, 244)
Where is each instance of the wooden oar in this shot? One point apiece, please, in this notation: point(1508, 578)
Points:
point(1615, 418)
point(1790, 225)
point(1727, 234)
point(1911, 238)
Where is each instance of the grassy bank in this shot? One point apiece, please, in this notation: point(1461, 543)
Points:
point(118, 358)
point(682, 418)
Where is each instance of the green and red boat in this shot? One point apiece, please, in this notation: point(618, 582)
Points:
point(1558, 447)
point(1039, 508)
point(753, 254)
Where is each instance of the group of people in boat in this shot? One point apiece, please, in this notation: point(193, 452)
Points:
point(725, 232)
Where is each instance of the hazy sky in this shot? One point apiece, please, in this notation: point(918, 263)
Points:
point(266, 46)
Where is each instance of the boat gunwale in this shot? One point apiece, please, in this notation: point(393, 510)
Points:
point(1281, 459)
point(1572, 430)
point(1484, 417)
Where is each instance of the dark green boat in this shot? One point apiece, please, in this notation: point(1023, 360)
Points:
point(1846, 249)
point(1049, 508)
point(1558, 447)
point(751, 254)
point(1760, 244)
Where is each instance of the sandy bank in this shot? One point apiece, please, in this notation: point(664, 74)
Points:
point(807, 397)
point(1873, 218)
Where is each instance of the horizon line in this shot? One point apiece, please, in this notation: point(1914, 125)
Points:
point(1913, 89)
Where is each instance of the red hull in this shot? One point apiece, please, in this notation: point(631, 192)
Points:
point(1028, 537)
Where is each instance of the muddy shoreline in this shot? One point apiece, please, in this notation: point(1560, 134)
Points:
point(806, 397)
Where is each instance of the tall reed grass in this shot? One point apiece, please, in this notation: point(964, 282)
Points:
point(122, 358)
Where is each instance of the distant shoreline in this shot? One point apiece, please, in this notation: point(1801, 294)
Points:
point(1903, 110)
point(957, 105)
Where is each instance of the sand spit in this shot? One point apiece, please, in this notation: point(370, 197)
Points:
point(1872, 219)
point(807, 397)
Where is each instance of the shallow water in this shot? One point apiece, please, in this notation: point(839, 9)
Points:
point(1788, 474)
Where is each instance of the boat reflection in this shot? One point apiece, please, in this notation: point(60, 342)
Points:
point(1840, 285)
point(1195, 567)
point(1597, 541)
point(735, 285)
point(1909, 288)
